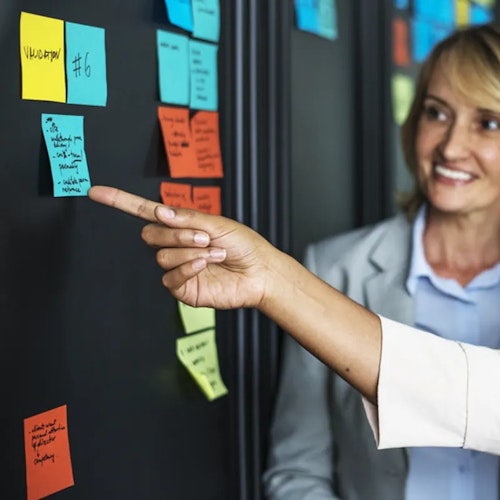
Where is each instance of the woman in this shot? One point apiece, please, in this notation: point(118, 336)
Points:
point(428, 391)
point(435, 267)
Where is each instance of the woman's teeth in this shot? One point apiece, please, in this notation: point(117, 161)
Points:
point(455, 175)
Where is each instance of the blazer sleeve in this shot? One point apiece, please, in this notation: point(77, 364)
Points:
point(435, 392)
point(300, 450)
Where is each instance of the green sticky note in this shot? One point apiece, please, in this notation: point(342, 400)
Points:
point(403, 89)
point(198, 353)
point(195, 319)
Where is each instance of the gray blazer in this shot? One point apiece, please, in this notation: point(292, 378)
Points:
point(321, 446)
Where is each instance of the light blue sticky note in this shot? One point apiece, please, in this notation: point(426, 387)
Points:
point(306, 15)
point(206, 19)
point(401, 4)
point(86, 65)
point(203, 66)
point(327, 19)
point(173, 67)
point(436, 12)
point(180, 14)
point(480, 14)
point(65, 141)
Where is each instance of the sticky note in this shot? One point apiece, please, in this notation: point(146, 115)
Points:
point(400, 48)
point(401, 4)
point(306, 15)
point(176, 131)
point(206, 144)
point(206, 19)
point(403, 89)
point(173, 67)
point(176, 195)
point(180, 14)
point(65, 143)
point(442, 12)
point(42, 58)
point(462, 13)
point(86, 65)
point(204, 83)
point(480, 14)
point(48, 459)
point(195, 319)
point(207, 199)
point(327, 19)
point(198, 353)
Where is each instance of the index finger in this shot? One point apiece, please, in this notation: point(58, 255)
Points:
point(124, 201)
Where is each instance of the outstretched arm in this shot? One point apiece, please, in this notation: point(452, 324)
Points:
point(217, 262)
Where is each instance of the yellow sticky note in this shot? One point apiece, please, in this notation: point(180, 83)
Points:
point(42, 58)
point(195, 319)
point(403, 89)
point(198, 353)
point(462, 10)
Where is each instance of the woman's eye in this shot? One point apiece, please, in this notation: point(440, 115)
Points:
point(490, 124)
point(433, 113)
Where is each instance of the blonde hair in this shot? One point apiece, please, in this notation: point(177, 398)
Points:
point(471, 58)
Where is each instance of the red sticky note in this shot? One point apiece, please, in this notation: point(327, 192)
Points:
point(206, 143)
point(175, 127)
point(48, 460)
point(176, 195)
point(207, 199)
point(400, 51)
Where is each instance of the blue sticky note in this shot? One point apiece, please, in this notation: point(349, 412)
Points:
point(206, 19)
point(480, 14)
point(435, 11)
point(180, 14)
point(401, 4)
point(173, 67)
point(204, 83)
point(327, 19)
point(65, 143)
point(306, 14)
point(86, 65)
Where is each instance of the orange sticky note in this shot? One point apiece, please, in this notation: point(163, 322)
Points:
point(207, 199)
point(400, 51)
point(176, 195)
point(48, 460)
point(174, 123)
point(205, 132)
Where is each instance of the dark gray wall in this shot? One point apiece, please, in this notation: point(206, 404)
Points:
point(322, 151)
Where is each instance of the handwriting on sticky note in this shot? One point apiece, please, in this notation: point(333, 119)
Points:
point(48, 460)
point(173, 67)
point(65, 143)
point(195, 319)
point(42, 58)
point(86, 65)
point(203, 66)
point(207, 199)
point(206, 144)
point(176, 195)
point(206, 19)
point(175, 127)
point(198, 353)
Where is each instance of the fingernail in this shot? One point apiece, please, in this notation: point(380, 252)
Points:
point(199, 264)
point(218, 253)
point(201, 238)
point(166, 213)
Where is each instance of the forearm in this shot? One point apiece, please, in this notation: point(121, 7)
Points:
point(340, 332)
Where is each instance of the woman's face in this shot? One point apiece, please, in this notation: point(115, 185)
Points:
point(458, 151)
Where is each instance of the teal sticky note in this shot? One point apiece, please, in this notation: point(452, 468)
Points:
point(65, 141)
point(203, 67)
point(173, 67)
point(179, 13)
point(480, 14)
point(206, 19)
point(86, 65)
point(306, 15)
point(327, 19)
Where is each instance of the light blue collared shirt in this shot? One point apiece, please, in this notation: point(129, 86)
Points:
point(469, 314)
